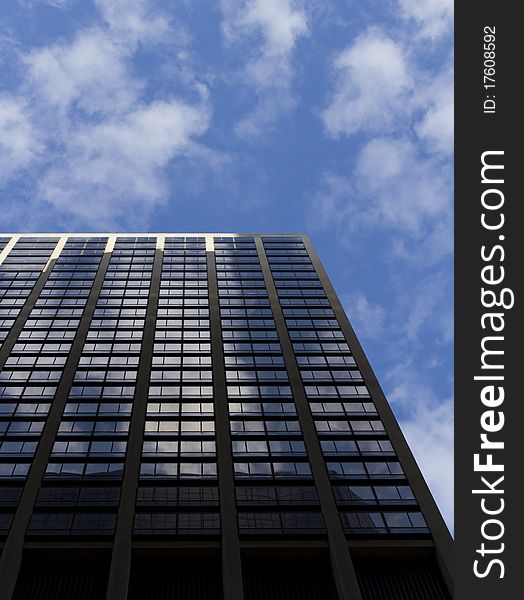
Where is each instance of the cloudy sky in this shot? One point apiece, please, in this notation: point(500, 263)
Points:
point(328, 117)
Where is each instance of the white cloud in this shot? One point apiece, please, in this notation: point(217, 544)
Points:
point(392, 189)
point(89, 73)
point(372, 84)
point(426, 306)
point(106, 153)
point(432, 17)
point(429, 432)
point(435, 127)
point(19, 144)
point(117, 169)
point(134, 20)
point(379, 89)
point(93, 71)
point(331, 203)
point(54, 3)
point(410, 195)
point(280, 24)
point(427, 423)
point(366, 317)
point(403, 190)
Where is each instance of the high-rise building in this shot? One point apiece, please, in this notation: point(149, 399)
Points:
point(192, 417)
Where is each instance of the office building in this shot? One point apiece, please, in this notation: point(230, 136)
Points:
point(191, 416)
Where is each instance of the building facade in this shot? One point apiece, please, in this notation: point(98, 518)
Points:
point(192, 417)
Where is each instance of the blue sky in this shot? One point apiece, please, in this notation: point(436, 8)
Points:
point(330, 118)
